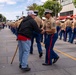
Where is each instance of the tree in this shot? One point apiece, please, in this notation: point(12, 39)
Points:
point(50, 4)
point(0, 15)
point(41, 10)
point(2, 18)
point(74, 1)
point(53, 5)
point(32, 7)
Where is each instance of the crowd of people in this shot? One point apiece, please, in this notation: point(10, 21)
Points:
point(67, 29)
point(46, 30)
point(2, 25)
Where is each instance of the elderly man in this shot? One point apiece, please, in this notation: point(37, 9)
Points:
point(37, 35)
point(25, 30)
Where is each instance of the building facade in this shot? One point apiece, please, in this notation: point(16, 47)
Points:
point(68, 8)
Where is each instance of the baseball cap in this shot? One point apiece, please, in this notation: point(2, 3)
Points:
point(31, 12)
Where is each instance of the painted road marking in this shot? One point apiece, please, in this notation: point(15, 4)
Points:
point(73, 58)
point(65, 54)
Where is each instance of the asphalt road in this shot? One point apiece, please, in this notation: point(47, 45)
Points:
point(66, 65)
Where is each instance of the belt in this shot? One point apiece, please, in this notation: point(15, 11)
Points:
point(50, 33)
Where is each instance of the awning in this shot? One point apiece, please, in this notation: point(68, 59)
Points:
point(73, 16)
point(62, 17)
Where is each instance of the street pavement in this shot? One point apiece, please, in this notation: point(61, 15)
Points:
point(66, 65)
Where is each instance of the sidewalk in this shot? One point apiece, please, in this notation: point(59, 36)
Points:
point(8, 44)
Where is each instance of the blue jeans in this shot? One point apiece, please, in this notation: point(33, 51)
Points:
point(24, 49)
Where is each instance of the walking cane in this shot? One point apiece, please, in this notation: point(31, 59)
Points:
point(14, 54)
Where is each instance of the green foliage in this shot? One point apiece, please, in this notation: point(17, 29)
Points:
point(41, 10)
point(53, 5)
point(2, 18)
point(32, 7)
point(0, 15)
point(50, 4)
point(74, 1)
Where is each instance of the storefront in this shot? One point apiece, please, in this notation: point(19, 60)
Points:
point(68, 8)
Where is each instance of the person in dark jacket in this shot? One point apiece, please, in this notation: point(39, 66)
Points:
point(37, 36)
point(25, 30)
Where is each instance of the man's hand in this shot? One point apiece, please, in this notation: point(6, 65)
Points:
point(43, 31)
point(52, 31)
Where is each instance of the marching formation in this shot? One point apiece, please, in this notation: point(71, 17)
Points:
point(46, 30)
point(67, 29)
